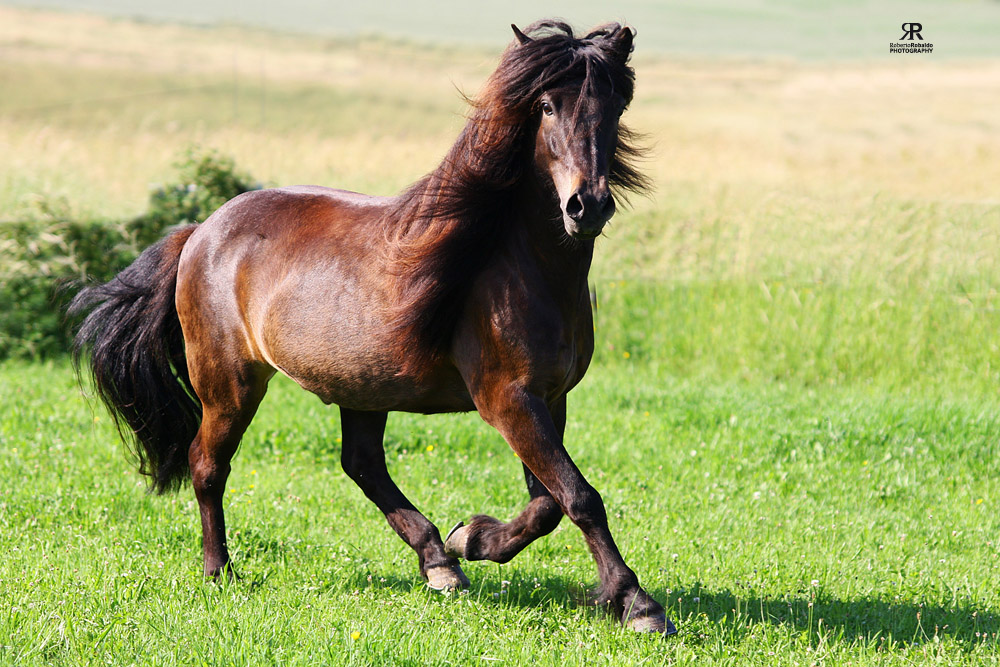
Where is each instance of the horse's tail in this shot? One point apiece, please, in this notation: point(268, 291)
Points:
point(137, 360)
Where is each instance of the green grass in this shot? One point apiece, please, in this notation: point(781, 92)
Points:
point(781, 515)
point(916, 341)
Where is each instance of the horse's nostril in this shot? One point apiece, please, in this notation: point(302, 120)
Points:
point(574, 207)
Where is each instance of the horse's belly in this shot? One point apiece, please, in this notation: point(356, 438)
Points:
point(360, 365)
point(362, 382)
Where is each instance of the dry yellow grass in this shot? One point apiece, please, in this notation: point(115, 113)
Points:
point(843, 167)
point(764, 169)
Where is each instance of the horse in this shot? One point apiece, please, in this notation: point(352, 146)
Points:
point(467, 291)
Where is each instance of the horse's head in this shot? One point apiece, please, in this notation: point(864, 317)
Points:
point(550, 113)
point(578, 101)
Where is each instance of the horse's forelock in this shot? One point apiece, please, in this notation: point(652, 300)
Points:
point(554, 54)
point(503, 115)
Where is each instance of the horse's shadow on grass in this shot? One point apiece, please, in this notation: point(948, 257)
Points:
point(866, 620)
point(493, 587)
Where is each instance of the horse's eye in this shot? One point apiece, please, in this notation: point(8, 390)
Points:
point(547, 109)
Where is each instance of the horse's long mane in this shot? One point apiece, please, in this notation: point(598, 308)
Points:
point(448, 224)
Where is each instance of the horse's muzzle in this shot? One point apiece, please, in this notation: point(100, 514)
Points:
point(585, 213)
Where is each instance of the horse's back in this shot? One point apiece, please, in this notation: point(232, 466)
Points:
point(260, 238)
point(305, 211)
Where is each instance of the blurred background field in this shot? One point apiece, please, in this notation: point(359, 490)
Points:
point(815, 220)
point(807, 309)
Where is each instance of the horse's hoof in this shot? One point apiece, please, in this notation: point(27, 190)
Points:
point(445, 578)
point(658, 623)
point(455, 542)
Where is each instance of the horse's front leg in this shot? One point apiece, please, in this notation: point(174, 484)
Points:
point(527, 424)
point(486, 538)
point(363, 459)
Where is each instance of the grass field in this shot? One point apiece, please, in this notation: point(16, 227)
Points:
point(793, 415)
point(777, 524)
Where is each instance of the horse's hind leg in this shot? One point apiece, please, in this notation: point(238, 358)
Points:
point(486, 538)
point(229, 403)
point(363, 458)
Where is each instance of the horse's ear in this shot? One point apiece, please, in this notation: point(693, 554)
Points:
point(621, 43)
point(522, 39)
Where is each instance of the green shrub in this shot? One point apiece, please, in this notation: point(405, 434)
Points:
point(44, 261)
point(207, 181)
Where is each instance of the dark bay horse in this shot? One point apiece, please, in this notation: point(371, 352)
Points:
point(468, 291)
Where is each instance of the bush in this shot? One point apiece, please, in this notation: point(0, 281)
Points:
point(207, 181)
point(44, 261)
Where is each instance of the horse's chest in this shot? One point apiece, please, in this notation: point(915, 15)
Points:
point(574, 352)
point(538, 343)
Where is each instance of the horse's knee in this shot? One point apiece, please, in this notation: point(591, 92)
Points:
point(547, 515)
point(356, 466)
point(584, 506)
point(366, 469)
